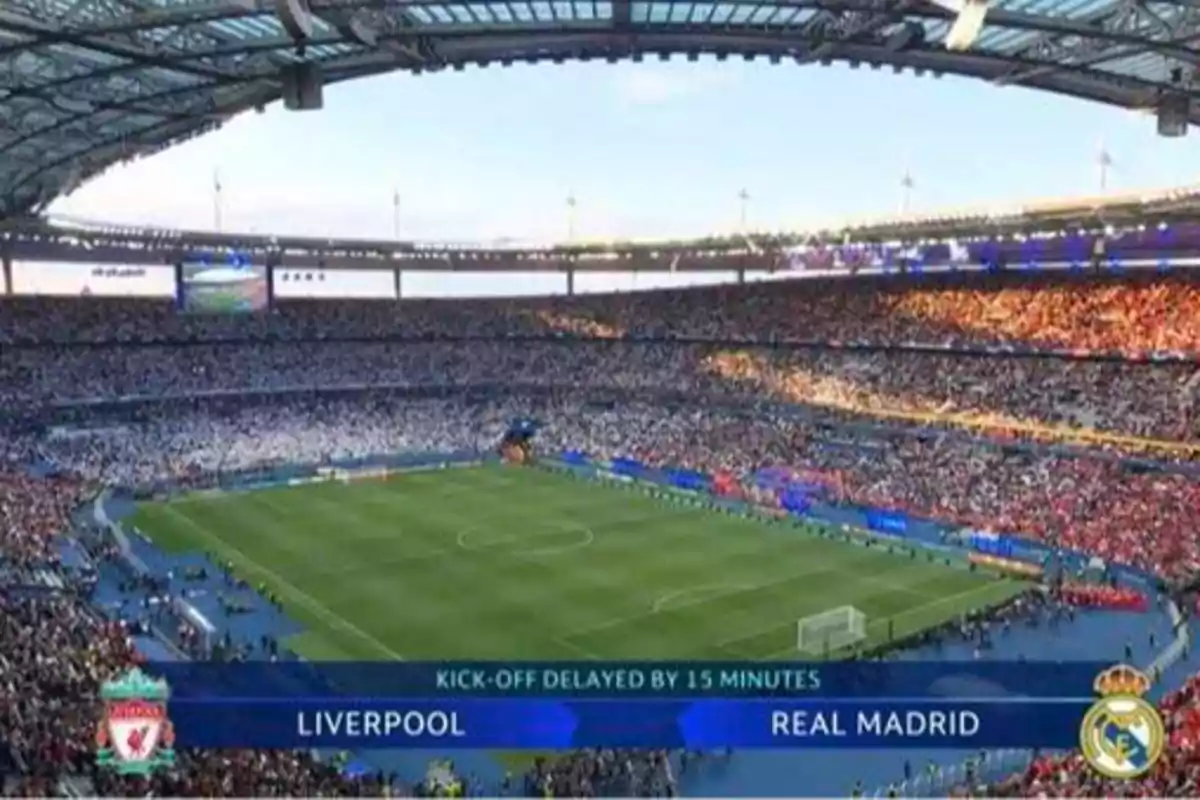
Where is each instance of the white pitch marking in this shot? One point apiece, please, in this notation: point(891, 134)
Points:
point(314, 605)
point(589, 536)
point(703, 589)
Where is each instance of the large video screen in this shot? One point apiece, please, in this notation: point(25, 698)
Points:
point(226, 285)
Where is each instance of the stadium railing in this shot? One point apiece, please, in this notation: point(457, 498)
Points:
point(1177, 649)
point(120, 539)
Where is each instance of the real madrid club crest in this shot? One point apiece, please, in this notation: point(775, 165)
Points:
point(1122, 734)
point(135, 736)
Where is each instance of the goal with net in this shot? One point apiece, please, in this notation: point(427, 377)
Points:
point(835, 629)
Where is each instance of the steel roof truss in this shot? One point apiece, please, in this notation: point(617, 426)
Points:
point(88, 82)
point(1115, 31)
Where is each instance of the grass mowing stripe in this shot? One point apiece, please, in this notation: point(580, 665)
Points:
point(381, 555)
point(995, 592)
point(284, 586)
point(702, 600)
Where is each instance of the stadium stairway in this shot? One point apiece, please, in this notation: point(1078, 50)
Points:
point(1091, 635)
point(72, 555)
point(155, 650)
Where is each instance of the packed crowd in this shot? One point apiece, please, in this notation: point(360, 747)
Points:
point(193, 443)
point(1079, 500)
point(1100, 596)
point(1123, 405)
point(892, 468)
point(604, 773)
point(689, 405)
point(54, 652)
point(55, 649)
point(1132, 314)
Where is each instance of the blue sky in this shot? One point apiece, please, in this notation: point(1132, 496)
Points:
point(649, 150)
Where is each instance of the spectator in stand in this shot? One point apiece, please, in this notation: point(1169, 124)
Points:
point(879, 428)
point(1114, 404)
point(1131, 314)
point(1081, 500)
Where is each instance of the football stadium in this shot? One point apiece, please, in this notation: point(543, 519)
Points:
point(907, 507)
point(641, 599)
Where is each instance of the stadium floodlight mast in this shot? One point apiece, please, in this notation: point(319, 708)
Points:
point(906, 188)
point(216, 195)
point(571, 203)
point(967, 25)
point(396, 213)
point(1104, 163)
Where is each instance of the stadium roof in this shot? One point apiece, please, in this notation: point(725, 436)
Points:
point(87, 83)
point(85, 241)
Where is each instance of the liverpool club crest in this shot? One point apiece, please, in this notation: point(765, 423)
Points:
point(135, 736)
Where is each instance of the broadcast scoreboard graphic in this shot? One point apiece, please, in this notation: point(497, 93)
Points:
point(658, 705)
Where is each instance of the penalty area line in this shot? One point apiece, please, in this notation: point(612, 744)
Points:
point(305, 599)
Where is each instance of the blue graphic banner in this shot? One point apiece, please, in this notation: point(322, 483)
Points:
point(630, 680)
point(992, 544)
point(794, 500)
point(550, 724)
point(688, 479)
point(627, 466)
point(889, 522)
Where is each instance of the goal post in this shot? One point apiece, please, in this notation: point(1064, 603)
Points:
point(832, 630)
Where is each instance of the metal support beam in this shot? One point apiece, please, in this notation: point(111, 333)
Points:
point(396, 273)
point(6, 258)
point(570, 281)
point(622, 14)
point(741, 276)
point(89, 91)
point(44, 33)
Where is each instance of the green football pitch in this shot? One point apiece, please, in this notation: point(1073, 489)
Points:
point(514, 563)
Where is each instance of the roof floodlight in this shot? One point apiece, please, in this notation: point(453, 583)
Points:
point(967, 25)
